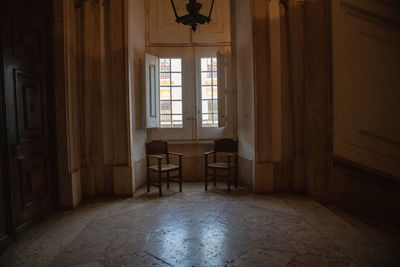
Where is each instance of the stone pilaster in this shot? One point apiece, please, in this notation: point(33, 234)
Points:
point(318, 119)
point(66, 52)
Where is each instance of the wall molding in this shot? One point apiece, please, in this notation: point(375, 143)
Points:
point(366, 192)
point(380, 138)
point(378, 39)
point(366, 148)
point(79, 3)
point(392, 3)
point(384, 11)
point(285, 3)
point(361, 171)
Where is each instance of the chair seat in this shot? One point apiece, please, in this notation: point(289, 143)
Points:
point(219, 165)
point(165, 167)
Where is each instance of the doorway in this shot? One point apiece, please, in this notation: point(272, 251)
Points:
point(28, 158)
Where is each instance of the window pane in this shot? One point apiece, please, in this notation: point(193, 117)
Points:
point(215, 106)
point(176, 65)
point(165, 120)
point(209, 92)
point(176, 79)
point(165, 93)
point(177, 117)
point(165, 107)
point(214, 62)
point(215, 93)
point(215, 119)
point(206, 78)
point(177, 120)
point(215, 78)
point(171, 93)
point(207, 106)
point(164, 65)
point(207, 120)
point(176, 93)
point(165, 79)
point(206, 93)
point(205, 64)
point(177, 107)
point(177, 124)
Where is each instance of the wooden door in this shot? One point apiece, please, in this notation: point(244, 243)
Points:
point(4, 199)
point(4, 219)
point(26, 45)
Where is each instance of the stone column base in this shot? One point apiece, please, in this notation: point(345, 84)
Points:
point(123, 181)
point(70, 190)
point(264, 177)
point(76, 189)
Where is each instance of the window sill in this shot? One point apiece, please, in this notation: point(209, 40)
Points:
point(191, 142)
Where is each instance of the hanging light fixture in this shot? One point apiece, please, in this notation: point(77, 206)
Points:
point(193, 19)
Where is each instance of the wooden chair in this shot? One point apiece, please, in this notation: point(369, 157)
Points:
point(154, 150)
point(230, 147)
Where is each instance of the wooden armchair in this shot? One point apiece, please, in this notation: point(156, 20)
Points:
point(154, 150)
point(230, 147)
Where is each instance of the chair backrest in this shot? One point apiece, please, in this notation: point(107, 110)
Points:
point(226, 145)
point(156, 147)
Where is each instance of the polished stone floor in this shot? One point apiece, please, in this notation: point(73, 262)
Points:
point(198, 228)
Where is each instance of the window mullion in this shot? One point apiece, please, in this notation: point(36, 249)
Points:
point(170, 90)
point(212, 92)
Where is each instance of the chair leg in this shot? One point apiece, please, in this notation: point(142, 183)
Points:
point(159, 184)
point(148, 181)
point(168, 180)
point(205, 180)
point(236, 177)
point(229, 180)
point(215, 177)
point(180, 180)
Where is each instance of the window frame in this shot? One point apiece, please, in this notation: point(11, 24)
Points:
point(191, 96)
point(211, 74)
point(204, 133)
point(186, 132)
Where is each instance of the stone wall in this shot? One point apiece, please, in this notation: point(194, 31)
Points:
point(66, 79)
point(366, 134)
point(93, 108)
point(243, 56)
point(292, 94)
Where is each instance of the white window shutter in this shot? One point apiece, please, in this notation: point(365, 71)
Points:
point(152, 92)
point(222, 90)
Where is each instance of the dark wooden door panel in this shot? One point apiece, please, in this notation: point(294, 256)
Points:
point(29, 97)
point(3, 212)
point(26, 42)
point(33, 187)
point(4, 204)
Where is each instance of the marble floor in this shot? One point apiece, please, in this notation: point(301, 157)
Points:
point(198, 228)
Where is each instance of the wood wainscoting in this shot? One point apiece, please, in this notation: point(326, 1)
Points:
point(365, 191)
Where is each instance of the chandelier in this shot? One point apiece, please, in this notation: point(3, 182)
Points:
point(194, 18)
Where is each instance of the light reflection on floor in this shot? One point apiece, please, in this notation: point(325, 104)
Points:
point(198, 228)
